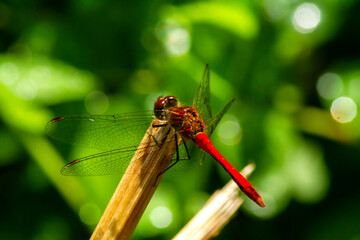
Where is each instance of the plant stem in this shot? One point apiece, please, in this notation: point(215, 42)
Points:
point(216, 213)
point(135, 189)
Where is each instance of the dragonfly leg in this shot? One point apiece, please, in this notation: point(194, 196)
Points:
point(187, 152)
point(176, 160)
point(160, 143)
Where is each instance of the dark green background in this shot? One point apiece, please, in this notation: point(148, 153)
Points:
point(106, 57)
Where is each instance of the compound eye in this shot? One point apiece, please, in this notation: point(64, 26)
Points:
point(163, 103)
point(159, 104)
point(171, 101)
point(159, 107)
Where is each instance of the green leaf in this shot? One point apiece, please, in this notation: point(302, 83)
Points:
point(234, 17)
point(43, 80)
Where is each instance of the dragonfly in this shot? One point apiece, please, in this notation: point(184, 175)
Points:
point(120, 136)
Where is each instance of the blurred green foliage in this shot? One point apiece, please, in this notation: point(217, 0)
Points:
point(285, 62)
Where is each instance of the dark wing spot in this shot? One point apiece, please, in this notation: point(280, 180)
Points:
point(72, 163)
point(57, 119)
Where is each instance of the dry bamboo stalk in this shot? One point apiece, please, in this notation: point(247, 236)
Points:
point(216, 213)
point(135, 190)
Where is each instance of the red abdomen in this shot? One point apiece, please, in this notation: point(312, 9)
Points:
point(203, 141)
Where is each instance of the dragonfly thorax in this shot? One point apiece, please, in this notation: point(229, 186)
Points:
point(186, 121)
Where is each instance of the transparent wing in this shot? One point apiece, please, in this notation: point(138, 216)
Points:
point(202, 97)
point(211, 123)
point(101, 131)
point(120, 134)
point(105, 163)
point(202, 105)
point(112, 162)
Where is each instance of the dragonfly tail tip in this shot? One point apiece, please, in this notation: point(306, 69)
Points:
point(260, 202)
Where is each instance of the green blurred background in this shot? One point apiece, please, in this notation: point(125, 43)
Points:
point(292, 66)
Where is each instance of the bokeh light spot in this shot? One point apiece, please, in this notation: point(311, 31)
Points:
point(276, 9)
point(143, 81)
point(354, 88)
point(26, 89)
point(41, 73)
point(229, 130)
point(89, 213)
point(9, 73)
point(161, 217)
point(329, 86)
point(174, 36)
point(178, 42)
point(306, 18)
point(343, 109)
point(288, 98)
point(96, 102)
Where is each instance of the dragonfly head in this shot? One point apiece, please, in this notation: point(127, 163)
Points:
point(163, 103)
